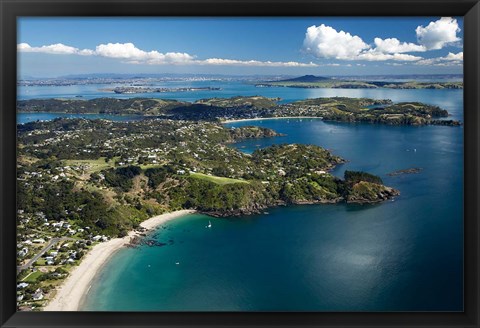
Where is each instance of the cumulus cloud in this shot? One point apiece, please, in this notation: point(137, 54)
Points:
point(58, 48)
point(234, 62)
point(452, 56)
point(326, 42)
point(134, 55)
point(449, 60)
point(129, 53)
point(374, 55)
point(438, 34)
point(393, 45)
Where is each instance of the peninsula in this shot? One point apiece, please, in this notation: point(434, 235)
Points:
point(311, 81)
point(338, 109)
point(98, 180)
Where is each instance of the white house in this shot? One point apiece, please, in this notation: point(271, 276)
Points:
point(38, 295)
point(22, 285)
point(96, 238)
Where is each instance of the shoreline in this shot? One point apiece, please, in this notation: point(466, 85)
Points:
point(267, 118)
point(71, 292)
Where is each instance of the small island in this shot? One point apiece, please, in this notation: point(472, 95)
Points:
point(413, 170)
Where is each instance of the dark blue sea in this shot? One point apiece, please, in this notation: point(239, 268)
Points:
point(401, 255)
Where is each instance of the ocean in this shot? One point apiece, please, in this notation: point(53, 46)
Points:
point(401, 255)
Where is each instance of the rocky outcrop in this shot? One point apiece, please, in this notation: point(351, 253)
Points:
point(367, 192)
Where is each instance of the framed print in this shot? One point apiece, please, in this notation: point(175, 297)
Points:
point(219, 163)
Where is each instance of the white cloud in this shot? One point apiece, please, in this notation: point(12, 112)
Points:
point(452, 56)
point(58, 48)
point(438, 34)
point(23, 47)
point(449, 60)
point(129, 53)
point(325, 42)
point(393, 45)
point(234, 62)
point(374, 55)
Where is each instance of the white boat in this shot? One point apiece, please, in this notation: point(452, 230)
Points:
point(209, 225)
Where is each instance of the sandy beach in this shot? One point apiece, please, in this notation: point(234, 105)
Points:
point(266, 118)
point(71, 292)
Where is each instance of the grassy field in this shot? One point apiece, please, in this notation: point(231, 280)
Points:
point(151, 166)
point(217, 180)
point(32, 277)
point(95, 165)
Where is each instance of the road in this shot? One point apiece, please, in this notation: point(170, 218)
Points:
point(34, 259)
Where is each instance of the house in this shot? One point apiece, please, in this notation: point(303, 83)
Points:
point(38, 295)
point(23, 252)
point(22, 285)
point(96, 238)
point(39, 241)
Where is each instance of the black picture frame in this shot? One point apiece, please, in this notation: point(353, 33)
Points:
point(10, 10)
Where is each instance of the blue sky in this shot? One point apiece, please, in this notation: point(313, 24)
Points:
point(49, 47)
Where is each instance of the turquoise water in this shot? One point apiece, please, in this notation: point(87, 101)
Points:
point(401, 255)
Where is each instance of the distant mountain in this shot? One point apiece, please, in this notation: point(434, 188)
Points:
point(307, 78)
